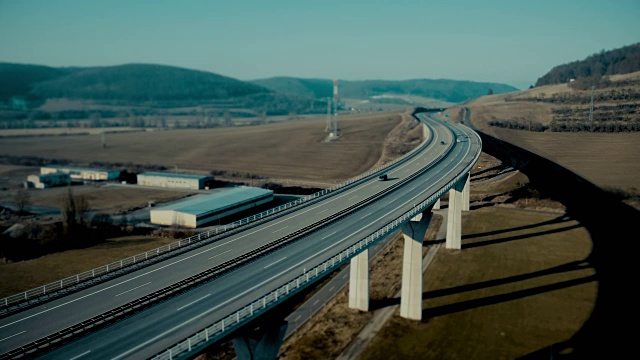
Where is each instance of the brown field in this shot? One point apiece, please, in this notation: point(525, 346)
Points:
point(292, 149)
point(606, 159)
point(101, 198)
point(25, 275)
point(516, 287)
point(65, 131)
point(609, 160)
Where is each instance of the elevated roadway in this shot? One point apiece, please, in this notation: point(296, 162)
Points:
point(449, 152)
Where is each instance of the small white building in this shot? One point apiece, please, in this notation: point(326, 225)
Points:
point(203, 209)
point(48, 180)
point(173, 180)
point(79, 173)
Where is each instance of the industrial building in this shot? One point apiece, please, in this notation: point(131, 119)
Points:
point(79, 173)
point(204, 209)
point(173, 180)
point(47, 180)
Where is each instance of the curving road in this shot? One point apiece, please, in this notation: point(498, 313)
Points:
point(153, 330)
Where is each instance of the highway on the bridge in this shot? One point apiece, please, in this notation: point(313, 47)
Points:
point(150, 331)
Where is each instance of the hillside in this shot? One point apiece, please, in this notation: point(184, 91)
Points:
point(144, 82)
point(618, 61)
point(442, 89)
point(130, 82)
point(19, 79)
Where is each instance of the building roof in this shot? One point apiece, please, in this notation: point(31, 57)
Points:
point(73, 168)
point(201, 205)
point(175, 175)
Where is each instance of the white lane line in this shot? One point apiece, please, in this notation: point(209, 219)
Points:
point(81, 355)
point(273, 232)
point(112, 286)
point(9, 337)
point(155, 338)
point(275, 262)
point(137, 287)
point(366, 215)
point(315, 302)
point(330, 290)
point(320, 212)
point(296, 319)
point(193, 302)
point(328, 235)
point(353, 197)
point(222, 253)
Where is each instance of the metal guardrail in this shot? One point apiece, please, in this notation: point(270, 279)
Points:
point(97, 322)
point(235, 320)
point(75, 280)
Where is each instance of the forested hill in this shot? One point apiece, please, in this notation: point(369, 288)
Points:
point(131, 82)
point(442, 89)
point(618, 61)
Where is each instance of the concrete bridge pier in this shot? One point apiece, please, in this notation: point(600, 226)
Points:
point(411, 293)
point(454, 217)
point(359, 282)
point(436, 205)
point(263, 344)
point(465, 194)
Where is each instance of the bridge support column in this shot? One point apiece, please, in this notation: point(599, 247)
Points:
point(411, 295)
point(359, 282)
point(436, 205)
point(263, 344)
point(465, 194)
point(454, 217)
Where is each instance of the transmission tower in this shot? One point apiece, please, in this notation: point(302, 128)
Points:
point(593, 88)
point(328, 126)
point(335, 108)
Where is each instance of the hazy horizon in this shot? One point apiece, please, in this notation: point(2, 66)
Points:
point(494, 41)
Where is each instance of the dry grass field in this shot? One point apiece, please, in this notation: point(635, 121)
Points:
point(292, 149)
point(518, 285)
point(101, 198)
point(24, 275)
point(606, 159)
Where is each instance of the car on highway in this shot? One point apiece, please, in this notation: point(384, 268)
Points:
point(383, 177)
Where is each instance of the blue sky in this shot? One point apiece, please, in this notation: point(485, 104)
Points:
point(512, 42)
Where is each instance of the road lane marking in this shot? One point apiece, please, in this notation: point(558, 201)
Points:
point(137, 287)
point(333, 287)
point(9, 337)
point(366, 215)
point(315, 302)
point(296, 319)
point(275, 262)
point(353, 197)
point(273, 232)
point(81, 355)
point(328, 235)
point(222, 253)
point(193, 302)
point(320, 212)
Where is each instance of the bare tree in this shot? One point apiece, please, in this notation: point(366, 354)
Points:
point(82, 207)
point(22, 199)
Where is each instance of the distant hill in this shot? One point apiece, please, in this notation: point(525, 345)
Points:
point(19, 79)
point(617, 61)
point(447, 90)
point(131, 82)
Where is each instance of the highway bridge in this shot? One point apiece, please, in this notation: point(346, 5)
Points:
point(207, 289)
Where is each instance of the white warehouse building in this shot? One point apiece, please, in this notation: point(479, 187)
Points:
point(207, 208)
point(173, 180)
point(48, 180)
point(80, 173)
